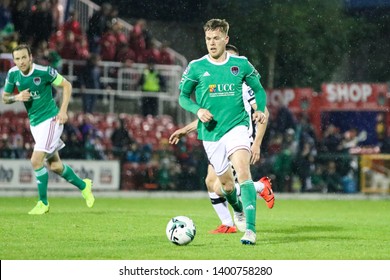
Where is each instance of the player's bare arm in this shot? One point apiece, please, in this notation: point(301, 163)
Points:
point(259, 117)
point(261, 127)
point(62, 116)
point(204, 115)
point(9, 98)
point(178, 134)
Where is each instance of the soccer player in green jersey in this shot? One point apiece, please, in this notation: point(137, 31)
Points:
point(34, 84)
point(217, 79)
point(263, 186)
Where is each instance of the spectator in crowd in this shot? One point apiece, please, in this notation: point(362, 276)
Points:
point(20, 18)
point(5, 146)
point(332, 178)
point(140, 38)
point(57, 10)
point(118, 30)
point(304, 130)
point(93, 147)
point(108, 45)
point(331, 140)
point(5, 13)
point(151, 82)
point(125, 55)
point(120, 139)
point(283, 163)
point(164, 174)
point(166, 57)
point(380, 128)
point(352, 138)
point(97, 25)
point(151, 53)
point(71, 48)
point(40, 23)
point(48, 56)
point(304, 165)
point(73, 24)
point(90, 80)
point(86, 125)
point(284, 118)
point(134, 153)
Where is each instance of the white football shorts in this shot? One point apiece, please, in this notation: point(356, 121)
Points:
point(219, 152)
point(47, 136)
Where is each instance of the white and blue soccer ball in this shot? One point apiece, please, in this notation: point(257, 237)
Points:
point(181, 230)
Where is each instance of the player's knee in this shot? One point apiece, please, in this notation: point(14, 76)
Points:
point(210, 183)
point(56, 167)
point(36, 163)
point(227, 188)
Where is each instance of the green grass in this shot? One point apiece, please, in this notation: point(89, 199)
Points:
point(134, 229)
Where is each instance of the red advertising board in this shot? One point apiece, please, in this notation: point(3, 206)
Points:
point(296, 99)
point(354, 96)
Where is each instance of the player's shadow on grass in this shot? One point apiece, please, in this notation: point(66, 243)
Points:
point(306, 228)
point(306, 233)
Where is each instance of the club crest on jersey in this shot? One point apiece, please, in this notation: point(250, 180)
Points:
point(235, 70)
point(37, 81)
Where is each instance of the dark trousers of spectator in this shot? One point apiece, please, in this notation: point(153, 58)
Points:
point(149, 106)
point(89, 101)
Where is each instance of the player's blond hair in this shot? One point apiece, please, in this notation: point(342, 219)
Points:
point(215, 23)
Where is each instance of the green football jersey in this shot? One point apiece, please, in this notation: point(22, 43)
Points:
point(218, 88)
point(41, 105)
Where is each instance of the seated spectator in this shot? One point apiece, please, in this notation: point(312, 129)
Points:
point(151, 53)
point(332, 178)
point(166, 57)
point(125, 55)
point(119, 33)
point(120, 139)
point(140, 38)
point(108, 45)
point(134, 153)
point(71, 48)
point(73, 24)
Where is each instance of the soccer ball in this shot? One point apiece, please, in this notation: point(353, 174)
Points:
point(181, 230)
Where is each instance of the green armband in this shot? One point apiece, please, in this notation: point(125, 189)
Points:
point(58, 80)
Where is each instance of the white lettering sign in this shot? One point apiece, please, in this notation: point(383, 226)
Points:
point(348, 92)
point(285, 95)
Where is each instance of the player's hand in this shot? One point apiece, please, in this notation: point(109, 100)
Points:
point(176, 136)
point(259, 117)
point(23, 96)
point(255, 156)
point(62, 117)
point(204, 115)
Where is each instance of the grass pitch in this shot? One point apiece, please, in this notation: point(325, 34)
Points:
point(134, 229)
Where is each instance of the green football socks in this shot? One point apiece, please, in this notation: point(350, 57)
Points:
point(42, 180)
point(233, 200)
point(69, 175)
point(248, 196)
